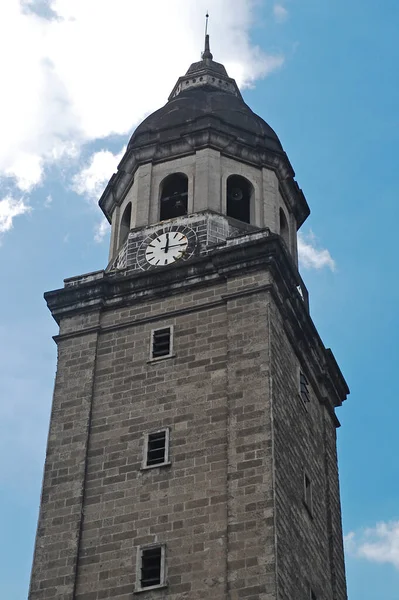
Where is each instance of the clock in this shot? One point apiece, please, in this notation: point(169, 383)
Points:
point(166, 246)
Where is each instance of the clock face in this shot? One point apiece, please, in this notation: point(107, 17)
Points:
point(166, 246)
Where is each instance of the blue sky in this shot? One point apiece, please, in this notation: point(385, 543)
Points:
point(77, 77)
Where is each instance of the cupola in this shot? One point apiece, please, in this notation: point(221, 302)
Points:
point(205, 150)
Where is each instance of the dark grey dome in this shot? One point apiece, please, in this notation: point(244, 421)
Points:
point(204, 107)
point(205, 110)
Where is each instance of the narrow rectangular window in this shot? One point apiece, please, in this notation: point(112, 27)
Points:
point(150, 567)
point(312, 595)
point(304, 387)
point(161, 342)
point(156, 448)
point(308, 493)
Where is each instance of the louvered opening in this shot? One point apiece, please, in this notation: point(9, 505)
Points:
point(308, 492)
point(161, 342)
point(304, 387)
point(156, 448)
point(151, 559)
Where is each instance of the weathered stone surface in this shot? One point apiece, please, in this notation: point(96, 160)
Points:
point(207, 171)
point(230, 506)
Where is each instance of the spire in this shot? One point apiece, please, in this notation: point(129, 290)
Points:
point(207, 52)
point(206, 73)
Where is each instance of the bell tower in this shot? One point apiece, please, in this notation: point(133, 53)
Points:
point(192, 444)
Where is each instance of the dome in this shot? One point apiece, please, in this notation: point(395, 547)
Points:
point(205, 111)
point(201, 107)
point(206, 98)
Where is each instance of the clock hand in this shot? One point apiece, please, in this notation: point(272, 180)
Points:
point(167, 243)
point(173, 246)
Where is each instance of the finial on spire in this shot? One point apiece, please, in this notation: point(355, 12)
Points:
point(207, 52)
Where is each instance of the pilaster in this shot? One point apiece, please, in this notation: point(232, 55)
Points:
point(207, 180)
point(270, 200)
point(142, 197)
point(56, 558)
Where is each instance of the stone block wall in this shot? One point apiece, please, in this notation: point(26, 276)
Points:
point(210, 229)
point(304, 436)
point(55, 560)
point(207, 171)
point(229, 508)
point(213, 506)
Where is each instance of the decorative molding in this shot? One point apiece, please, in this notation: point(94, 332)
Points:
point(255, 253)
point(207, 135)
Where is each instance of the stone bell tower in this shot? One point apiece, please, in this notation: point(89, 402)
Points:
point(192, 444)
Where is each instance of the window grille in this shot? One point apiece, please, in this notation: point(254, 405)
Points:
point(157, 451)
point(161, 342)
point(151, 567)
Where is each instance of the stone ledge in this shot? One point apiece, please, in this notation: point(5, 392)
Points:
point(249, 252)
point(257, 252)
point(206, 135)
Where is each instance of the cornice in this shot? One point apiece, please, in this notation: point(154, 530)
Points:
point(109, 291)
point(251, 152)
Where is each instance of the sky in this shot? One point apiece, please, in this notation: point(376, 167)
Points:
point(77, 77)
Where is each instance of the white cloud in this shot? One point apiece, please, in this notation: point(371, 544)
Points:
point(280, 13)
point(377, 544)
point(101, 231)
point(312, 257)
point(9, 209)
point(80, 71)
point(92, 178)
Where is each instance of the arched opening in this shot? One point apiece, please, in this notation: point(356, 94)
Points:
point(174, 192)
point(284, 230)
point(125, 224)
point(239, 194)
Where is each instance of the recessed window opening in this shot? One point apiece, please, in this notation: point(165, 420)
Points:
point(151, 567)
point(125, 224)
point(157, 448)
point(304, 387)
point(174, 193)
point(239, 194)
point(161, 342)
point(284, 230)
point(308, 492)
point(312, 595)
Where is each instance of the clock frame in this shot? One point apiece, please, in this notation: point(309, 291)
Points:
point(189, 249)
